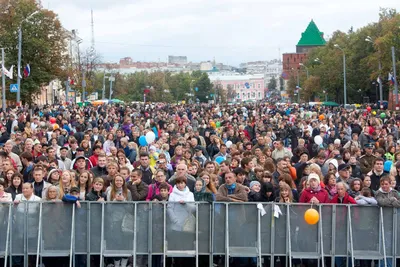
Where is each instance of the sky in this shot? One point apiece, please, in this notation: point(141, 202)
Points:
point(231, 31)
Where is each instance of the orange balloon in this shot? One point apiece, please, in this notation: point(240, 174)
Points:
point(321, 117)
point(311, 216)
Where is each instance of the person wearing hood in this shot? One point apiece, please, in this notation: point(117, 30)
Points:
point(267, 192)
point(178, 212)
point(355, 168)
point(200, 193)
point(387, 196)
point(314, 194)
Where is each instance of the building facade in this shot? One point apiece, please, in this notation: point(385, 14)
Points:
point(180, 60)
point(243, 87)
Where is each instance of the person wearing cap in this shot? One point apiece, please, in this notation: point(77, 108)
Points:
point(344, 171)
point(367, 160)
point(199, 155)
point(255, 192)
point(64, 159)
point(81, 164)
point(72, 196)
point(314, 194)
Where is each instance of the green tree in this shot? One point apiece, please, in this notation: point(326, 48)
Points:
point(44, 44)
point(281, 83)
point(205, 88)
point(272, 85)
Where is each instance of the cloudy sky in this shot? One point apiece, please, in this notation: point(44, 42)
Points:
point(232, 31)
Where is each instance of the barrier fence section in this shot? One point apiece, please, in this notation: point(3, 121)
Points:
point(164, 229)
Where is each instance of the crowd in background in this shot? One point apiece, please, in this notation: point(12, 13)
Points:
point(185, 153)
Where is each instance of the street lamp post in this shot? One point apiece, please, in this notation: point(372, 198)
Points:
point(344, 74)
point(103, 93)
point(19, 57)
point(396, 86)
point(4, 105)
point(191, 87)
point(301, 64)
point(326, 95)
point(370, 40)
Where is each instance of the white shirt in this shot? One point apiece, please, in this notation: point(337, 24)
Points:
point(22, 198)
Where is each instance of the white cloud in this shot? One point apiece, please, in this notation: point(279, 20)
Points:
point(231, 30)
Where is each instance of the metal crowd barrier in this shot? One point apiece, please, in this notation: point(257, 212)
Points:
point(145, 229)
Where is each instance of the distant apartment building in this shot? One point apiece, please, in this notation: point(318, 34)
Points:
point(206, 66)
point(126, 61)
point(245, 87)
point(180, 60)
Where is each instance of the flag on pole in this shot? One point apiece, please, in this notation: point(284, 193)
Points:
point(391, 78)
point(8, 73)
point(378, 80)
point(27, 71)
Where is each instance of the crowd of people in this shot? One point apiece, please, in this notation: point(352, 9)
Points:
point(228, 153)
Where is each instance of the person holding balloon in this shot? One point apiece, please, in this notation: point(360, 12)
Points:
point(314, 194)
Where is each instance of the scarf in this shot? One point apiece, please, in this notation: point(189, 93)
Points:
point(331, 190)
point(231, 188)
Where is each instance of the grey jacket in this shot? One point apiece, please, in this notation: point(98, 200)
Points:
point(366, 201)
point(388, 199)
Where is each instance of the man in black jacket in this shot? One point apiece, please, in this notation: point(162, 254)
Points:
point(137, 187)
point(101, 168)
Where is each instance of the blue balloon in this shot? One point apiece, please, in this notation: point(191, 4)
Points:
point(387, 166)
point(219, 159)
point(142, 141)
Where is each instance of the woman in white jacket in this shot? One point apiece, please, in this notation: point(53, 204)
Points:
point(180, 212)
point(181, 220)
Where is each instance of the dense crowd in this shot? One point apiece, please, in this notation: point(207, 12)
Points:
point(185, 153)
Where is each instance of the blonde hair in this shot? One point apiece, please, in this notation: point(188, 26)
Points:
point(61, 185)
point(285, 186)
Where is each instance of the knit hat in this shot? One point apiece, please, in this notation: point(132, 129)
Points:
point(253, 183)
point(314, 176)
point(334, 163)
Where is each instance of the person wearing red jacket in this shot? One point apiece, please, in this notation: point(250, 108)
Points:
point(315, 194)
point(342, 197)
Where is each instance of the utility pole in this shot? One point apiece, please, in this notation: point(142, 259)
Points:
point(111, 79)
point(83, 88)
point(103, 93)
point(19, 56)
point(396, 87)
point(66, 90)
point(298, 87)
point(4, 105)
point(344, 74)
point(19, 65)
point(370, 40)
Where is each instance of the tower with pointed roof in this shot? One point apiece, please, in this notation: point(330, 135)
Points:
point(310, 38)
